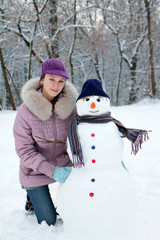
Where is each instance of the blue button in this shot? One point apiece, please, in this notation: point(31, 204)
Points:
point(92, 180)
point(93, 147)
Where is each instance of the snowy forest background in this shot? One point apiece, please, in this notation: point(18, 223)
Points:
point(117, 42)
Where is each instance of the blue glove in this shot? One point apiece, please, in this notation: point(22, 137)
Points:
point(60, 174)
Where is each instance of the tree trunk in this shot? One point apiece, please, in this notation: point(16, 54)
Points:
point(119, 79)
point(132, 93)
point(151, 60)
point(53, 28)
point(6, 80)
point(120, 71)
point(73, 42)
point(14, 85)
point(96, 64)
point(31, 49)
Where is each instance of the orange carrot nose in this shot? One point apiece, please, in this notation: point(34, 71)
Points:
point(93, 105)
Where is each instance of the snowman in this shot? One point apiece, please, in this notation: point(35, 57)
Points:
point(97, 201)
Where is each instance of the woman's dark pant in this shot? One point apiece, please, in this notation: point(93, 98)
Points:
point(42, 203)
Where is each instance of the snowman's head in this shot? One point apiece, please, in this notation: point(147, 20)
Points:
point(93, 105)
point(93, 100)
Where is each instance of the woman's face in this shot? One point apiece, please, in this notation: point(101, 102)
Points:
point(52, 85)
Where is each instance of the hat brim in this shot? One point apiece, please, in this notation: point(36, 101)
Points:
point(56, 72)
point(88, 95)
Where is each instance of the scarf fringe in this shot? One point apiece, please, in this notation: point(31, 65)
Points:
point(143, 136)
point(78, 160)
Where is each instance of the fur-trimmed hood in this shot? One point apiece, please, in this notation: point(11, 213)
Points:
point(41, 107)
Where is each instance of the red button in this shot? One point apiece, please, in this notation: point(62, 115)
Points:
point(92, 135)
point(91, 194)
point(93, 160)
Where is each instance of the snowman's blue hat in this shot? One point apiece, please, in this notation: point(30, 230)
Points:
point(92, 87)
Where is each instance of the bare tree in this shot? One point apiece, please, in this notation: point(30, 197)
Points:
point(148, 5)
point(73, 42)
point(6, 80)
point(130, 36)
point(53, 20)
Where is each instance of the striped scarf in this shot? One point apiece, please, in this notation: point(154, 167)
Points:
point(136, 136)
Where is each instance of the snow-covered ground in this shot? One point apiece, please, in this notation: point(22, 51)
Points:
point(144, 169)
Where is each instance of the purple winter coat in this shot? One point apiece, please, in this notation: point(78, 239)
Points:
point(35, 119)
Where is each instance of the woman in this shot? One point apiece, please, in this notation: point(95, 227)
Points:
point(40, 132)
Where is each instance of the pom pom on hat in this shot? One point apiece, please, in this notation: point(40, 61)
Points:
point(54, 67)
point(92, 87)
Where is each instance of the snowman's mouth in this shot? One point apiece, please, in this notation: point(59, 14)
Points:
point(94, 111)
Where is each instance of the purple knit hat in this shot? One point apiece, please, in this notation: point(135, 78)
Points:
point(54, 67)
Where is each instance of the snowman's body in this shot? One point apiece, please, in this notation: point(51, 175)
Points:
point(98, 199)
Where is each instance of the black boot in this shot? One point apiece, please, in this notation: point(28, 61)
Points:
point(28, 205)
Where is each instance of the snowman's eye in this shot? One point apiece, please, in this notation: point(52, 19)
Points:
point(87, 99)
point(98, 100)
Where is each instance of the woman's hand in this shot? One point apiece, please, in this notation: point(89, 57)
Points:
point(60, 174)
